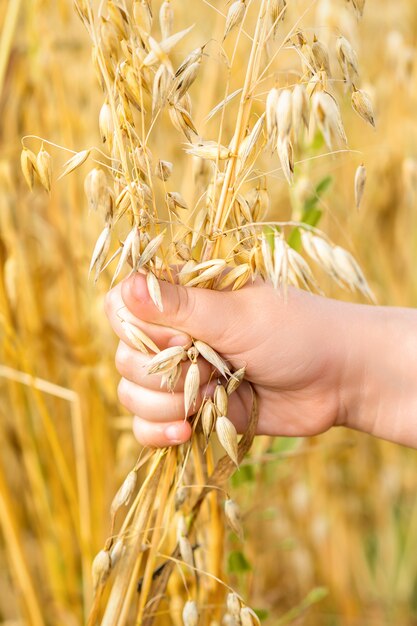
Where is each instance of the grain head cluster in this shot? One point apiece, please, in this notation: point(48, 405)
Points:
point(184, 181)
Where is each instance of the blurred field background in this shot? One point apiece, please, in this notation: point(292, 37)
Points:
point(336, 512)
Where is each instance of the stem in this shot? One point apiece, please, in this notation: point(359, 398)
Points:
point(18, 560)
point(164, 486)
point(6, 38)
point(105, 76)
point(123, 586)
point(82, 525)
point(243, 114)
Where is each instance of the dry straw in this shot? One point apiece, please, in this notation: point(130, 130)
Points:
point(150, 74)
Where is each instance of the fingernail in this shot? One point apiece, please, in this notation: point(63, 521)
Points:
point(138, 287)
point(180, 340)
point(173, 433)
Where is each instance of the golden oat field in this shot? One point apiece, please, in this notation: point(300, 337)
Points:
point(329, 522)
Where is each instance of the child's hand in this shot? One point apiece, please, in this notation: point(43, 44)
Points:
point(314, 362)
point(293, 350)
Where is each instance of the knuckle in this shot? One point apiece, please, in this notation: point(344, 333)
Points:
point(177, 303)
point(123, 393)
point(109, 303)
point(147, 436)
point(141, 439)
point(138, 431)
point(122, 358)
point(227, 333)
point(175, 410)
point(113, 305)
point(184, 305)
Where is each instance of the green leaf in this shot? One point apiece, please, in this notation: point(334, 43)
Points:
point(324, 185)
point(309, 205)
point(261, 613)
point(270, 513)
point(269, 233)
point(294, 239)
point(315, 595)
point(311, 214)
point(318, 142)
point(312, 217)
point(237, 563)
point(285, 444)
point(288, 544)
point(246, 474)
point(321, 188)
point(371, 550)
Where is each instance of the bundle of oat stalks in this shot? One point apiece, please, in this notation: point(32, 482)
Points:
point(218, 237)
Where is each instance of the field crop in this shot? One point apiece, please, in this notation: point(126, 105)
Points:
point(248, 156)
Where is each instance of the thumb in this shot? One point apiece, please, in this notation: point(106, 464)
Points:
point(202, 313)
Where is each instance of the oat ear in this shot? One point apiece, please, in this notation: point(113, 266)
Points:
point(208, 416)
point(362, 104)
point(74, 162)
point(360, 183)
point(139, 338)
point(186, 551)
point(100, 251)
point(248, 617)
point(154, 290)
point(166, 19)
point(150, 250)
point(227, 435)
point(191, 386)
point(100, 569)
point(233, 517)
point(212, 357)
point(233, 605)
point(234, 17)
point(125, 492)
point(44, 168)
point(221, 399)
point(190, 613)
point(29, 166)
point(166, 360)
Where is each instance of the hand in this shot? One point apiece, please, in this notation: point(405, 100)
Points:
point(292, 348)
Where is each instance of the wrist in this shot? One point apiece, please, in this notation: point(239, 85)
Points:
point(378, 392)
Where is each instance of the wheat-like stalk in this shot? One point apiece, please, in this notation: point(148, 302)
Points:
point(218, 236)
